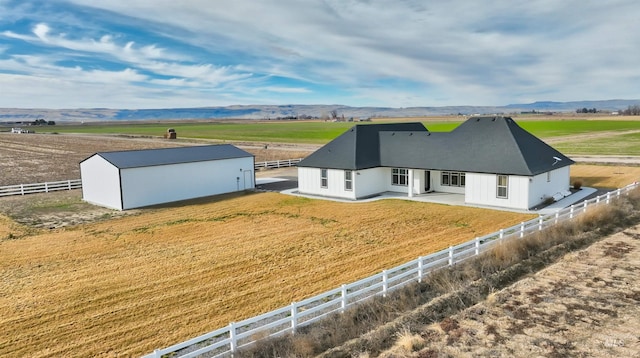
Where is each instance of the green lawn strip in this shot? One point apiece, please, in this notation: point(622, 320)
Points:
point(319, 132)
point(623, 144)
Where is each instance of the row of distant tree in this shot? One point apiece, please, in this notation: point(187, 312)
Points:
point(42, 122)
point(630, 111)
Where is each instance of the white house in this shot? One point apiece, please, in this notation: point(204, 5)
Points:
point(491, 160)
point(137, 178)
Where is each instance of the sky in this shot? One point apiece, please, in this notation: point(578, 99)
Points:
point(381, 53)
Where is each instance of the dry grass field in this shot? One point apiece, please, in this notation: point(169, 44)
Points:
point(36, 158)
point(586, 305)
point(144, 281)
point(605, 176)
point(126, 284)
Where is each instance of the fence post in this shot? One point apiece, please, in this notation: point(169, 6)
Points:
point(69, 184)
point(540, 224)
point(450, 255)
point(343, 300)
point(584, 209)
point(385, 284)
point(294, 317)
point(521, 229)
point(557, 216)
point(156, 353)
point(232, 336)
point(501, 234)
point(477, 244)
point(618, 193)
point(419, 269)
point(571, 211)
point(46, 187)
point(21, 189)
point(608, 196)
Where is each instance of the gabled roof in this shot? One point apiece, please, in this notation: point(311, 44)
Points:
point(481, 145)
point(166, 156)
point(357, 148)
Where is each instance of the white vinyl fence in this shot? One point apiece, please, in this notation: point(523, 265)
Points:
point(226, 340)
point(273, 164)
point(22, 189)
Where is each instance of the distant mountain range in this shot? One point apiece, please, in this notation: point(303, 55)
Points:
point(12, 115)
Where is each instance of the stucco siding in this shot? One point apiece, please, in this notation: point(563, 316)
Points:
point(168, 183)
point(100, 183)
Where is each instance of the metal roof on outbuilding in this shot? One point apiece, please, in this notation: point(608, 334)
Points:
point(167, 156)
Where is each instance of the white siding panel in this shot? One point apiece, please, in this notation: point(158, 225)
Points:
point(168, 183)
point(309, 182)
point(542, 189)
point(481, 189)
point(369, 182)
point(100, 182)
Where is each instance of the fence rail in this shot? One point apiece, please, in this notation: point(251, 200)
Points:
point(273, 164)
point(227, 340)
point(22, 189)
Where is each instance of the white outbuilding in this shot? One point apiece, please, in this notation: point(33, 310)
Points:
point(137, 178)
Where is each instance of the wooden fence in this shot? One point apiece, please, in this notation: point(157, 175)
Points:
point(236, 335)
point(22, 189)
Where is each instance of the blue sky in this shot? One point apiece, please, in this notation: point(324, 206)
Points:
point(390, 53)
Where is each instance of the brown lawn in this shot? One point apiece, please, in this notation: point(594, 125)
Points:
point(605, 176)
point(132, 284)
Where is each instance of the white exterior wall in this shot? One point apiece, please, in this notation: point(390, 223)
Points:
point(542, 189)
point(365, 183)
point(100, 183)
point(168, 183)
point(369, 182)
point(436, 184)
point(481, 189)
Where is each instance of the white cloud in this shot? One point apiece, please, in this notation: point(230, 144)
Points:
point(432, 53)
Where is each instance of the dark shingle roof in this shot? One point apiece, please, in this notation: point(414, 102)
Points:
point(480, 145)
point(357, 148)
point(166, 156)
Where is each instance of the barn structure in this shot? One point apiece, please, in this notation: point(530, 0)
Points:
point(492, 161)
point(131, 179)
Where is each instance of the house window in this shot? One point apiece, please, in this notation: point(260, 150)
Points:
point(503, 186)
point(324, 181)
point(445, 178)
point(348, 180)
point(399, 176)
point(453, 179)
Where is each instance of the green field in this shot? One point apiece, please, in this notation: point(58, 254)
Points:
point(321, 132)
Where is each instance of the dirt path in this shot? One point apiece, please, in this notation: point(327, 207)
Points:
point(586, 305)
point(587, 136)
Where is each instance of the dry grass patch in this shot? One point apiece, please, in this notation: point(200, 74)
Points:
point(132, 284)
point(605, 176)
